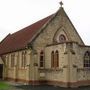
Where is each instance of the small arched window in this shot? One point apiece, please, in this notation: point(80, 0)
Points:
point(87, 59)
point(56, 58)
point(62, 38)
point(41, 59)
point(52, 59)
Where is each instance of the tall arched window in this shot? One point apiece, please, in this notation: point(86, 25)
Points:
point(8, 61)
point(41, 59)
point(87, 59)
point(56, 58)
point(52, 59)
point(23, 59)
point(12, 60)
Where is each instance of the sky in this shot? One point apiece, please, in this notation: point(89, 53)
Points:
point(17, 14)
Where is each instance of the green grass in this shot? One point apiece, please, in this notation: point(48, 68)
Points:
point(4, 86)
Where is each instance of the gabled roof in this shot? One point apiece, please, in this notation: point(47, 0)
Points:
point(20, 39)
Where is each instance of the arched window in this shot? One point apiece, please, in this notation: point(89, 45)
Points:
point(57, 59)
point(23, 59)
point(52, 59)
point(12, 60)
point(7, 61)
point(62, 38)
point(87, 59)
point(41, 59)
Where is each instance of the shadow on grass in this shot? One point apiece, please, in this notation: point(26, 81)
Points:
point(48, 87)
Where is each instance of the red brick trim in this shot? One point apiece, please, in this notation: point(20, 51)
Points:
point(55, 83)
point(40, 82)
point(84, 82)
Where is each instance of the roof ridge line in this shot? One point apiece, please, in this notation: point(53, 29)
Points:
point(31, 24)
point(38, 31)
point(5, 37)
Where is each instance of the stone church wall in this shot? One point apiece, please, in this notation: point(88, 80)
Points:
point(79, 74)
point(59, 74)
point(46, 37)
point(17, 73)
point(83, 74)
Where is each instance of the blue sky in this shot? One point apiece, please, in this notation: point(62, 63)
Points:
point(17, 14)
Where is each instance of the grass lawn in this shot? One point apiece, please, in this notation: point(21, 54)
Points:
point(4, 86)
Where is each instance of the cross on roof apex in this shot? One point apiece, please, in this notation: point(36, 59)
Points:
point(61, 3)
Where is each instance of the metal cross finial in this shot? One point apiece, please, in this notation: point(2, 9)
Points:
point(61, 3)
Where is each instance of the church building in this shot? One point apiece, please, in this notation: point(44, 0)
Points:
point(49, 52)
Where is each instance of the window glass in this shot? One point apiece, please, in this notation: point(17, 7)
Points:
point(87, 59)
point(62, 38)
